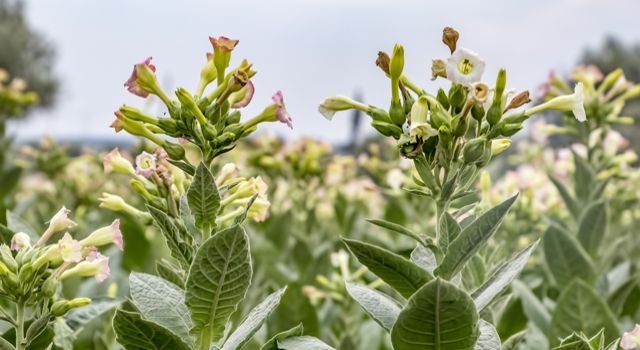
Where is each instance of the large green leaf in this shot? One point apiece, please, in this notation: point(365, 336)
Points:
point(203, 197)
point(5, 345)
point(176, 236)
point(134, 333)
point(534, 309)
point(218, 280)
point(489, 339)
point(253, 321)
point(565, 257)
point(272, 344)
point(63, 335)
point(502, 278)
point(382, 308)
point(439, 316)
point(472, 239)
point(593, 227)
point(400, 273)
point(161, 302)
point(579, 308)
point(424, 257)
point(303, 343)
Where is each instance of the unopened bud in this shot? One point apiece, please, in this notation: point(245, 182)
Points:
point(396, 65)
point(175, 151)
point(477, 112)
point(500, 145)
point(387, 129)
point(510, 129)
point(457, 96)
point(473, 150)
point(61, 307)
point(494, 114)
point(442, 98)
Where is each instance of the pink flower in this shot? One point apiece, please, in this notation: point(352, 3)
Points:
point(105, 235)
point(114, 161)
point(70, 249)
point(132, 85)
point(631, 340)
point(281, 113)
point(247, 91)
point(145, 164)
point(101, 264)
point(223, 43)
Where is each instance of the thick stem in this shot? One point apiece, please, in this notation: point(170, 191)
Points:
point(205, 339)
point(20, 341)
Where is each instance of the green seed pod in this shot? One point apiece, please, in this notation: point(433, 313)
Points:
point(477, 112)
point(457, 96)
point(443, 99)
point(49, 287)
point(510, 129)
point(174, 150)
point(461, 125)
point(387, 129)
point(440, 118)
point(233, 118)
point(378, 114)
point(474, 150)
point(396, 113)
point(61, 307)
point(494, 114)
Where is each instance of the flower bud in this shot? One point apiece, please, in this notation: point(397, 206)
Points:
point(228, 173)
point(115, 162)
point(105, 235)
point(50, 286)
point(6, 257)
point(387, 129)
point(457, 96)
point(20, 241)
point(396, 65)
point(474, 150)
point(477, 112)
point(188, 103)
point(450, 38)
point(61, 307)
point(501, 84)
point(396, 113)
point(175, 151)
point(498, 146)
point(209, 72)
point(60, 221)
point(460, 126)
point(509, 130)
point(494, 114)
point(442, 98)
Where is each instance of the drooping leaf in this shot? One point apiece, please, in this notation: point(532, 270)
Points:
point(424, 257)
point(203, 197)
point(253, 321)
point(272, 344)
point(400, 273)
point(534, 309)
point(438, 316)
point(304, 342)
point(565, 257)
point(489, 339)
point(472, 239)
point(502, 278)
point(593, 227)
point(218, 279)
point(175, 235)
point(382, 308)
point(135, 333)
point(160, 302)
point(579, 308)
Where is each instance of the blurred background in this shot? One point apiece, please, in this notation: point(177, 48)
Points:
point(77, 54)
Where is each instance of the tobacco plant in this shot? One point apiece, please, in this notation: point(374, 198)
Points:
point(190, 304)
point(443, 296)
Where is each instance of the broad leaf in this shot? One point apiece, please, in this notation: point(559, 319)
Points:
point(187, 218)
point(161, 302)
point(382, 308)
point(472, 239)
point(534, 309)
point(218, 280)
point(63, 335)
point(303, 343)
point(175, 235)
point(37, 327)
point(203, 197)
point(16, 224)
point(514, 341)
point(565, 257)
point(400, 273)
point(253, 321)
point(502, 278)
point(134, 333)
point(424, 257)
point(593, 227)
point(438, 316)
point(272, 344)
point(489, 339)
point(579, 308)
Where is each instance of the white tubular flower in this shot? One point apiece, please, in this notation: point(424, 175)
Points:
point(58, 222)
point(115, 162)
point(228, 172)
point(20, 241)
point(631, 340)
point(95, 264)
point(105, 235)
point(70, 249)
point(565, 103)
point(338, 103)
point(259, 209)
point(464, 67)
point(145, 164)
point(419, 125)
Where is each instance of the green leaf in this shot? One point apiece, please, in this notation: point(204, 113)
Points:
point(303, 343)
point(502, 278)
point(134, 333)
point(583, 177)
point(253, 321)
point(382, 308)
point(514, 341)
point(5, 235)
point(17, 224)
point(568, 199)
point(203, 197)
point(565, 257)
point(398, 229)
point(5, 345)
point(63, 337)
point(579, 308)
point(593, 227)
point(218, 280)
point(77, 318)
point(489, 339)
point(184, 166)
point(161, 302)
point(187, 218)
point(37, 327)
point(472, 239)
point(424, 257)
point(171, 273)
point(438, 316)
point(176, 236)
point(272, 344)
point(400, 273)
point(449, 230)
point(534, 309)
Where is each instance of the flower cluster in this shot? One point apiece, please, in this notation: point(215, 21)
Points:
point(13, 95)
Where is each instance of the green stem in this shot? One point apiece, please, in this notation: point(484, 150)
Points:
point(205, 339)
point(20, 341)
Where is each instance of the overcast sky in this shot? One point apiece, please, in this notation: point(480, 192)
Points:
point(309, 49)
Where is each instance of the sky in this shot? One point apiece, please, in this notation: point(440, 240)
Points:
point(309, 49)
